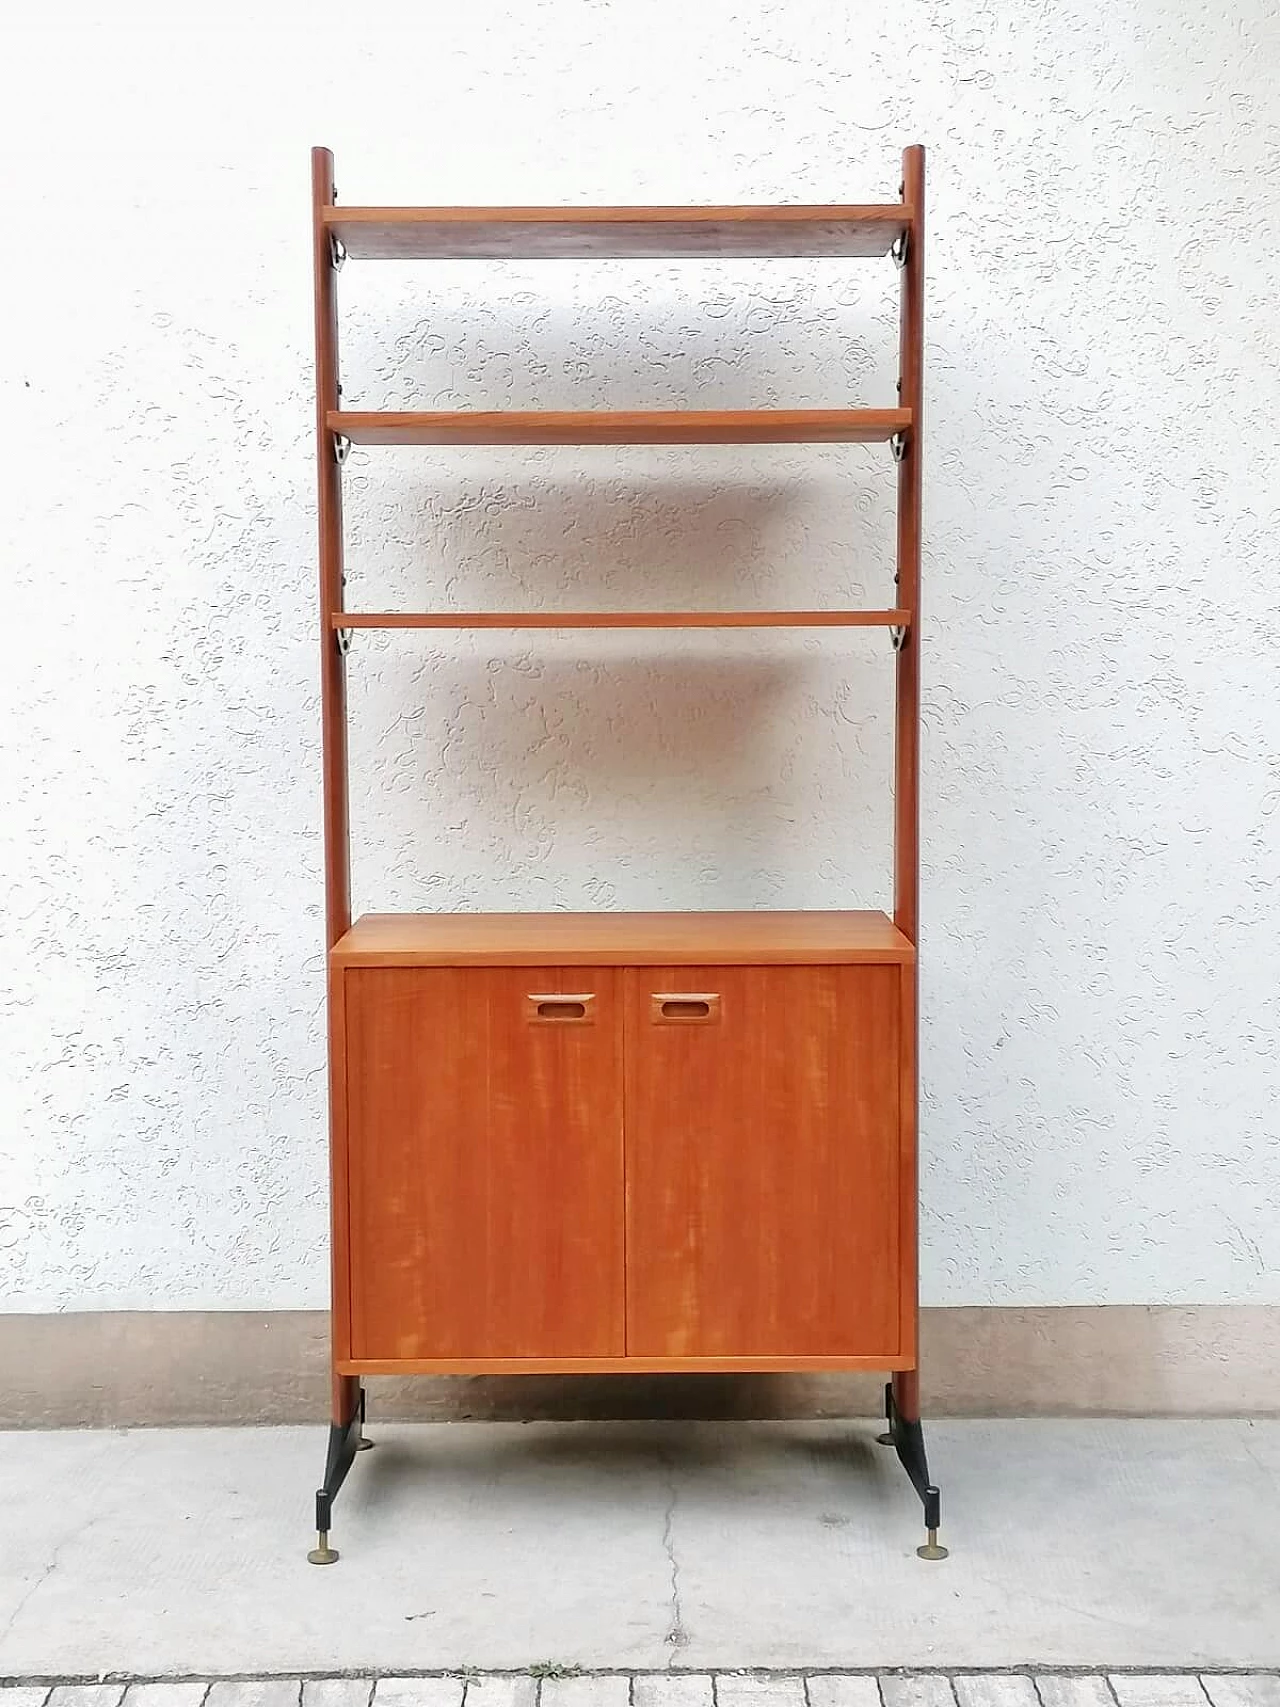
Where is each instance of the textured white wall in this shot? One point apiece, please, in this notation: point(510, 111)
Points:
point(1101, 779)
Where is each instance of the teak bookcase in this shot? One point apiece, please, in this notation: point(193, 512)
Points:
point(573, 1142)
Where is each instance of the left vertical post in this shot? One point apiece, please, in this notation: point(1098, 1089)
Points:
point(333, 689)
point(333, 739)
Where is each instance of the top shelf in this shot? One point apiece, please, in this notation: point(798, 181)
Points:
point(614, 233)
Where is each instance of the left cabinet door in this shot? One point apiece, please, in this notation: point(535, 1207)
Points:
point(484, 1162)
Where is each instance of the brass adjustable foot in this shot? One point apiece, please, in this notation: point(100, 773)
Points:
point(906, 1435)
point(365, 1445)
point(345, 1440)
point(885, 1439)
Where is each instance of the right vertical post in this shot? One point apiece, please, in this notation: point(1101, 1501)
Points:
point(906, 837)
point(906, 793)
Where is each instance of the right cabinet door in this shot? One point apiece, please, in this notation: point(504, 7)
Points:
point(763, 1161)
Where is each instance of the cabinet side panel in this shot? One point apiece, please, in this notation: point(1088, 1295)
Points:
point(339, 1206)
point(485, 1163)
point(909, 1164)
point(763, 1161)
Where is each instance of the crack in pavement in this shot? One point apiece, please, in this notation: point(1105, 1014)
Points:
point(677, 1636)
point(39, 1583)
point(54, 1559)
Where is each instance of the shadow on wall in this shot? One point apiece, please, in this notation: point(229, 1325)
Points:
point(624, 768)
point(607, 335)
point(629, 768)
point(566, 529)
point(692, 779)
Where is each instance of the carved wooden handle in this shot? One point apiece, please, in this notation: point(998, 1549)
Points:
point(560, 1010)
point(683, 1007)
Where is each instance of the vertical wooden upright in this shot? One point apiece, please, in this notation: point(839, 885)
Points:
point(333, 688)
point(906, 840)
point(906, 793)
point(333, 714)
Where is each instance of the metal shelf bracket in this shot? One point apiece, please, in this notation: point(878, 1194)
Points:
point(898, 636)
point(341, 448)
point(898, 249)
point(344, 637)
point(897, 446)
point(337, 252)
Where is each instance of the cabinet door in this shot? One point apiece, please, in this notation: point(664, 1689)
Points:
point(763, 1161)
point(484, 1158)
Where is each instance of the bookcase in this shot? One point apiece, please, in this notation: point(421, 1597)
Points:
point(622, 1142)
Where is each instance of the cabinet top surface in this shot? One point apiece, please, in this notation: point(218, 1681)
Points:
point(620, 939)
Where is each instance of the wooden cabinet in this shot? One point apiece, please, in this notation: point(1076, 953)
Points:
point(676, 1164)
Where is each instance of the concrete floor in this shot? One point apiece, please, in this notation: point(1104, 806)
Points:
point(639, 1546)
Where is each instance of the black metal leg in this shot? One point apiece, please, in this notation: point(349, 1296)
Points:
point(345, 1440)
point(907, 1438)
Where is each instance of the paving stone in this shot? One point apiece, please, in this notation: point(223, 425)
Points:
point(256, 1692)
point(1158, 1691)
point(586, 1691)
point(502, 1692)
point(189, 1694)
point(997, 1689)
point(916, 1691)
point(333, 1692)
point(742, 1690)
point(1255, 1689)
point(87, 1695)
point(838, 1690)
point(23, 1695)
point(1059, 1691)
point(841, 1689)
point(418, 1692)
point(672, 1692)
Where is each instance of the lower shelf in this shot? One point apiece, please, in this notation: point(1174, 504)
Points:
point(618, 1365)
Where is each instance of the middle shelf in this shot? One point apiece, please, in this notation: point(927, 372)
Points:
point(620, 427)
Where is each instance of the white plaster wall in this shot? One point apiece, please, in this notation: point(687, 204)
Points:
point(1101, 778)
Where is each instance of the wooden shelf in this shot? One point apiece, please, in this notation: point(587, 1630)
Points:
point(614, 233)
point(624, 619)
point(621, 427)
point(613, 939)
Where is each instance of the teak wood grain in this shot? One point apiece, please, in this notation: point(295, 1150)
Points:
point(763, 1165)
point(615, 939)
point(622, 619)
point(620, 427)
point(485, 1165)
point(615, 233)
